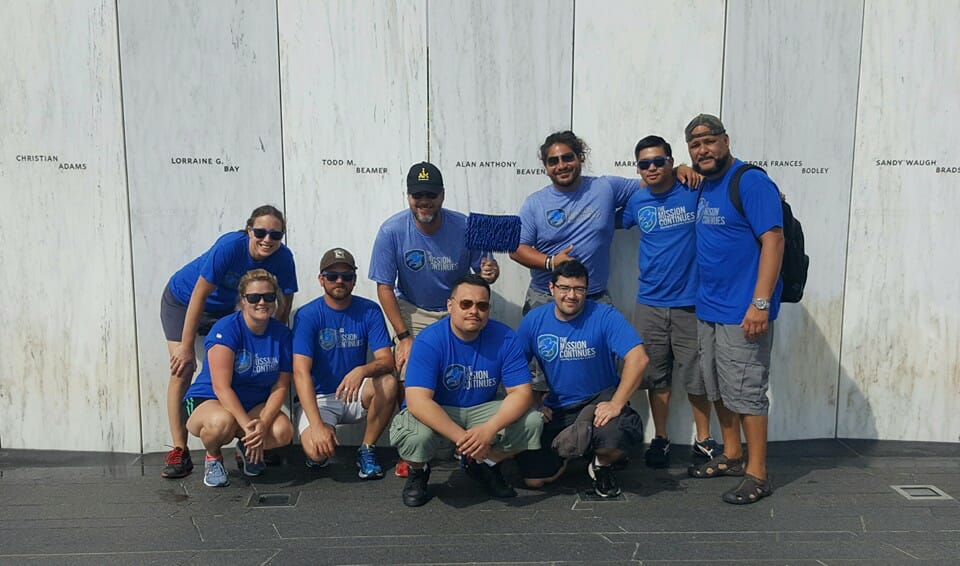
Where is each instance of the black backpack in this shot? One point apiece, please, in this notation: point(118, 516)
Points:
point(793, 270)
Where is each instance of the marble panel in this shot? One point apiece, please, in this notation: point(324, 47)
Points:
point(202, 116)
point(901, 326)
point(500, 82)
point(354, 114)
point(68, 375)
point(631, 80)
point(789, 104)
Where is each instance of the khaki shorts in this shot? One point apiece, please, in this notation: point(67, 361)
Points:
point(670, 339)
point(416, 442)
point(735, 371)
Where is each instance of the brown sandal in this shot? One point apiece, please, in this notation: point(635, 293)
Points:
point(750, 490)
point(719, 466)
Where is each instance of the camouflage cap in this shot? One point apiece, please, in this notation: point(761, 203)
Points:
point(713, 124)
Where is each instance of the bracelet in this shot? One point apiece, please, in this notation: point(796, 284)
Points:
point(548, 263)
point(401, 336)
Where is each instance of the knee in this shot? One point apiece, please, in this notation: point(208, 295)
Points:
point(386, 388)
point(282, 431)
point(221, 425)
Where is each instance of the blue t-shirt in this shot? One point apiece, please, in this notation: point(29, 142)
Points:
point(668, 245)
point(552, 220)
point(422, 267)
point(337, 341)
point(728, 252)
point(224, 264)
point(466, 374)
point(258, 359)
point(578, 357)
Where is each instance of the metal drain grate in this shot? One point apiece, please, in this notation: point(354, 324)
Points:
point(273, 500)
point(921, 492)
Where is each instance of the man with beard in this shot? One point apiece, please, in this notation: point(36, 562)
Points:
point(739, 258)
point(456, 367)
point(417, 256)
point(335, 383)
point(576, 342)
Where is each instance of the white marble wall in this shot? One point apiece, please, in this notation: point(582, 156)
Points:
point(200, 81)
point(643, 68)
point(901, 327)
point(500, 76)
point(789, 103)
point(68, 375)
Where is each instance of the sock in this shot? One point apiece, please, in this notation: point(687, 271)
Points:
point(210, 458)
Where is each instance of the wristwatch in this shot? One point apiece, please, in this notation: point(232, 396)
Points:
point(761, 304)
point(401, 336)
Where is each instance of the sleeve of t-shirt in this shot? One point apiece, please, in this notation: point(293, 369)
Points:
point(528, 223)
point(286, 350)
point(218, 261)
point(423, 365)
point(224, 332)
point(383, 262)
point(524, 335)
point(623, 189)
point(513, 366)
point(287, 273)
point(620, 334)
point(761, 202)
point(628, 216)
point(377, 335)
point(305, 331)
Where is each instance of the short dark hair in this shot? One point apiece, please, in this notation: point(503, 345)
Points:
point(652, 141)
point(572, 269)
point(567, 138)
point(470, 279)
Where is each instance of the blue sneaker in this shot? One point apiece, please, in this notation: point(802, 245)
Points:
point(707, 448)
point(369, 468)
point(214, 474)
point(249, 469)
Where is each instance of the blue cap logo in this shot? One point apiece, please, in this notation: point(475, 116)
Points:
point(415, 259)
point(328, 338)
point(453, 376)
point(647, 218)
point(243, 361)
point(548, 346)
point(556, 217)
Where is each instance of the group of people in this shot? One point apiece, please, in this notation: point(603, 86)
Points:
point(708, 295)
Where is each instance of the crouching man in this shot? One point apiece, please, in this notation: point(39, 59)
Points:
point(576, 341)
point(455, 368)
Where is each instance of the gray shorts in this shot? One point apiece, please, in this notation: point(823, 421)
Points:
point(735, 371)
point(173, 313)
point(670, 339)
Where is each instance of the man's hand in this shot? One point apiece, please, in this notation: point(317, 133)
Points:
point(323, 438)
point(688, 176)
point(476, 442)
point(402, 353)
point(563, 256)
point(489, 269)
point(183, 362)
point(755, 323)
point(605, 412)
point(349, 389)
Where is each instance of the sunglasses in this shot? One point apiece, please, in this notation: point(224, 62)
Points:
point(254, 298)
point(334, 276)
point(261, 233)
point(467, 304)
point(657, 162)
point(424, 194)
point(566, 158)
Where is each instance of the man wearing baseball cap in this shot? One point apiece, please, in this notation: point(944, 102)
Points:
point(335, 383)
point(739, 254)
point(417, 256)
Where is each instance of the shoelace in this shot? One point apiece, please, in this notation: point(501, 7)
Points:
point(175, 456)
point(368, 459)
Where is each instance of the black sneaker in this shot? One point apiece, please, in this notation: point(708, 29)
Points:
point(604, 481)
point(415, 490)
point(491, 479)
point(707, 448)
point(658, 455)
point(178, 463)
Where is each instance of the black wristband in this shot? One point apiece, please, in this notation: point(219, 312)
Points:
point(401, 336)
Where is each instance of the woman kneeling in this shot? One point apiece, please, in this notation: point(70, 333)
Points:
point(244, 382)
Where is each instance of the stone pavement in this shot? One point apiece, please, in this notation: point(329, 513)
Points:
point(833, 504)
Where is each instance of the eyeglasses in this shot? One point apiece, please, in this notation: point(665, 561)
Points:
point(657, 162)
point(565, 289)
point(424, 194)
point(467, 304)
point(566, 158)
point(345, 276)
point(254, 298)
point(261, 233)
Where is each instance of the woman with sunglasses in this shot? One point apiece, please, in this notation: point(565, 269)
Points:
point(244, 381)
point(204, 291)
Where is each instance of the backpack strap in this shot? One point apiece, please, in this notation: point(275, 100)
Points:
point(733, 189)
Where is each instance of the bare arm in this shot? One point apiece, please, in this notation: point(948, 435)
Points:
point(221, 360)
point(634, 364)
point(183, 362)
point(323, 438)
point(349, 388)
point(755, 321)
point(283, 313)
point(391, 309)
point(527, 256)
